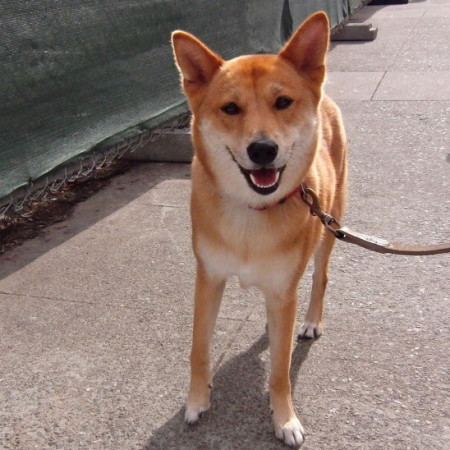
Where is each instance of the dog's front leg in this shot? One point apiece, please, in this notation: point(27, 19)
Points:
point(281, 314)
point(208, 294)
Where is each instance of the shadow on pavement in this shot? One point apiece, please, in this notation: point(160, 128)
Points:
point(123, 189)
point(239, 416)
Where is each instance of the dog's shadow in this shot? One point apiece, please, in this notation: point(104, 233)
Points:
point(239, 416)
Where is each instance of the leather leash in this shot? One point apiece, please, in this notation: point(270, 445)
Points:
point(369, 242)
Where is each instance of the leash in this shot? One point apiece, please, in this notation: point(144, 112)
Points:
point(369, 242)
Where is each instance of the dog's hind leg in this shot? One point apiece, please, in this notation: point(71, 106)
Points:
point(312, 326)
point(208, 295)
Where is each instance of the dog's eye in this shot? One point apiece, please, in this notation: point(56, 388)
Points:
point(283, 102)
point(231, 109)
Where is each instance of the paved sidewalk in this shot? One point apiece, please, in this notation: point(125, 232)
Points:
point(95, 316)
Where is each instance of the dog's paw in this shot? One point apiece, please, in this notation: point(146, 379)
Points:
point(193, 413)
point(310, 330)
point(291, 432)
point(198, 402)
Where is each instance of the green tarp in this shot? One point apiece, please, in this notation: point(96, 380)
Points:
point(75, 74)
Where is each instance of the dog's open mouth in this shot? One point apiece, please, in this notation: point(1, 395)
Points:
point(264, 181)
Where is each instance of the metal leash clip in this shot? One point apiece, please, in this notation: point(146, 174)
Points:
point(311, 199)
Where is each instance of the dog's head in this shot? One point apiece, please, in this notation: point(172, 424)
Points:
point(255, 118)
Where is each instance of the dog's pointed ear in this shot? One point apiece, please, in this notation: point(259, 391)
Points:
point(195, 61)
point(307, 48)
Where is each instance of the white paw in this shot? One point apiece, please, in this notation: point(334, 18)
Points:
point(291, 433)
point(193, 413)
point(198, 402)
point(310, 330)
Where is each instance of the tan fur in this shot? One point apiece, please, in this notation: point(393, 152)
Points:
point(269, 248)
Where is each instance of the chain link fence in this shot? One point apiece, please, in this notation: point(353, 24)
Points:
point(85, 167)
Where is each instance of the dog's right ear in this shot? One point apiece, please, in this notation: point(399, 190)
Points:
point(195, 61)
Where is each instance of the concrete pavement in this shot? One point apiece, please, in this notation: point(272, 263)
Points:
point(95, 316)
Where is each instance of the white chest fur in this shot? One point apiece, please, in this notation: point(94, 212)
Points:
point(251, 253)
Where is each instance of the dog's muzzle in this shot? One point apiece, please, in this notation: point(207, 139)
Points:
point(266, 178)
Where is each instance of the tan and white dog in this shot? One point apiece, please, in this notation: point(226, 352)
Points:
point(261, 127)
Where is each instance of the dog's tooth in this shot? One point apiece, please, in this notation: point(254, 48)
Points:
point(255, 182)
point(277, 177)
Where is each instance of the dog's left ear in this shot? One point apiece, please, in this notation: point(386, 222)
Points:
point(307, 48)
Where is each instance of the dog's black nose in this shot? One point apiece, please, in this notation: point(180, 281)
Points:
point(263, 151)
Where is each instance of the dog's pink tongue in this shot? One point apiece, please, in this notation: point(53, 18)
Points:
point(264, 177)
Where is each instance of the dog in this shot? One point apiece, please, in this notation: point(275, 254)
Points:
point(261, 128)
